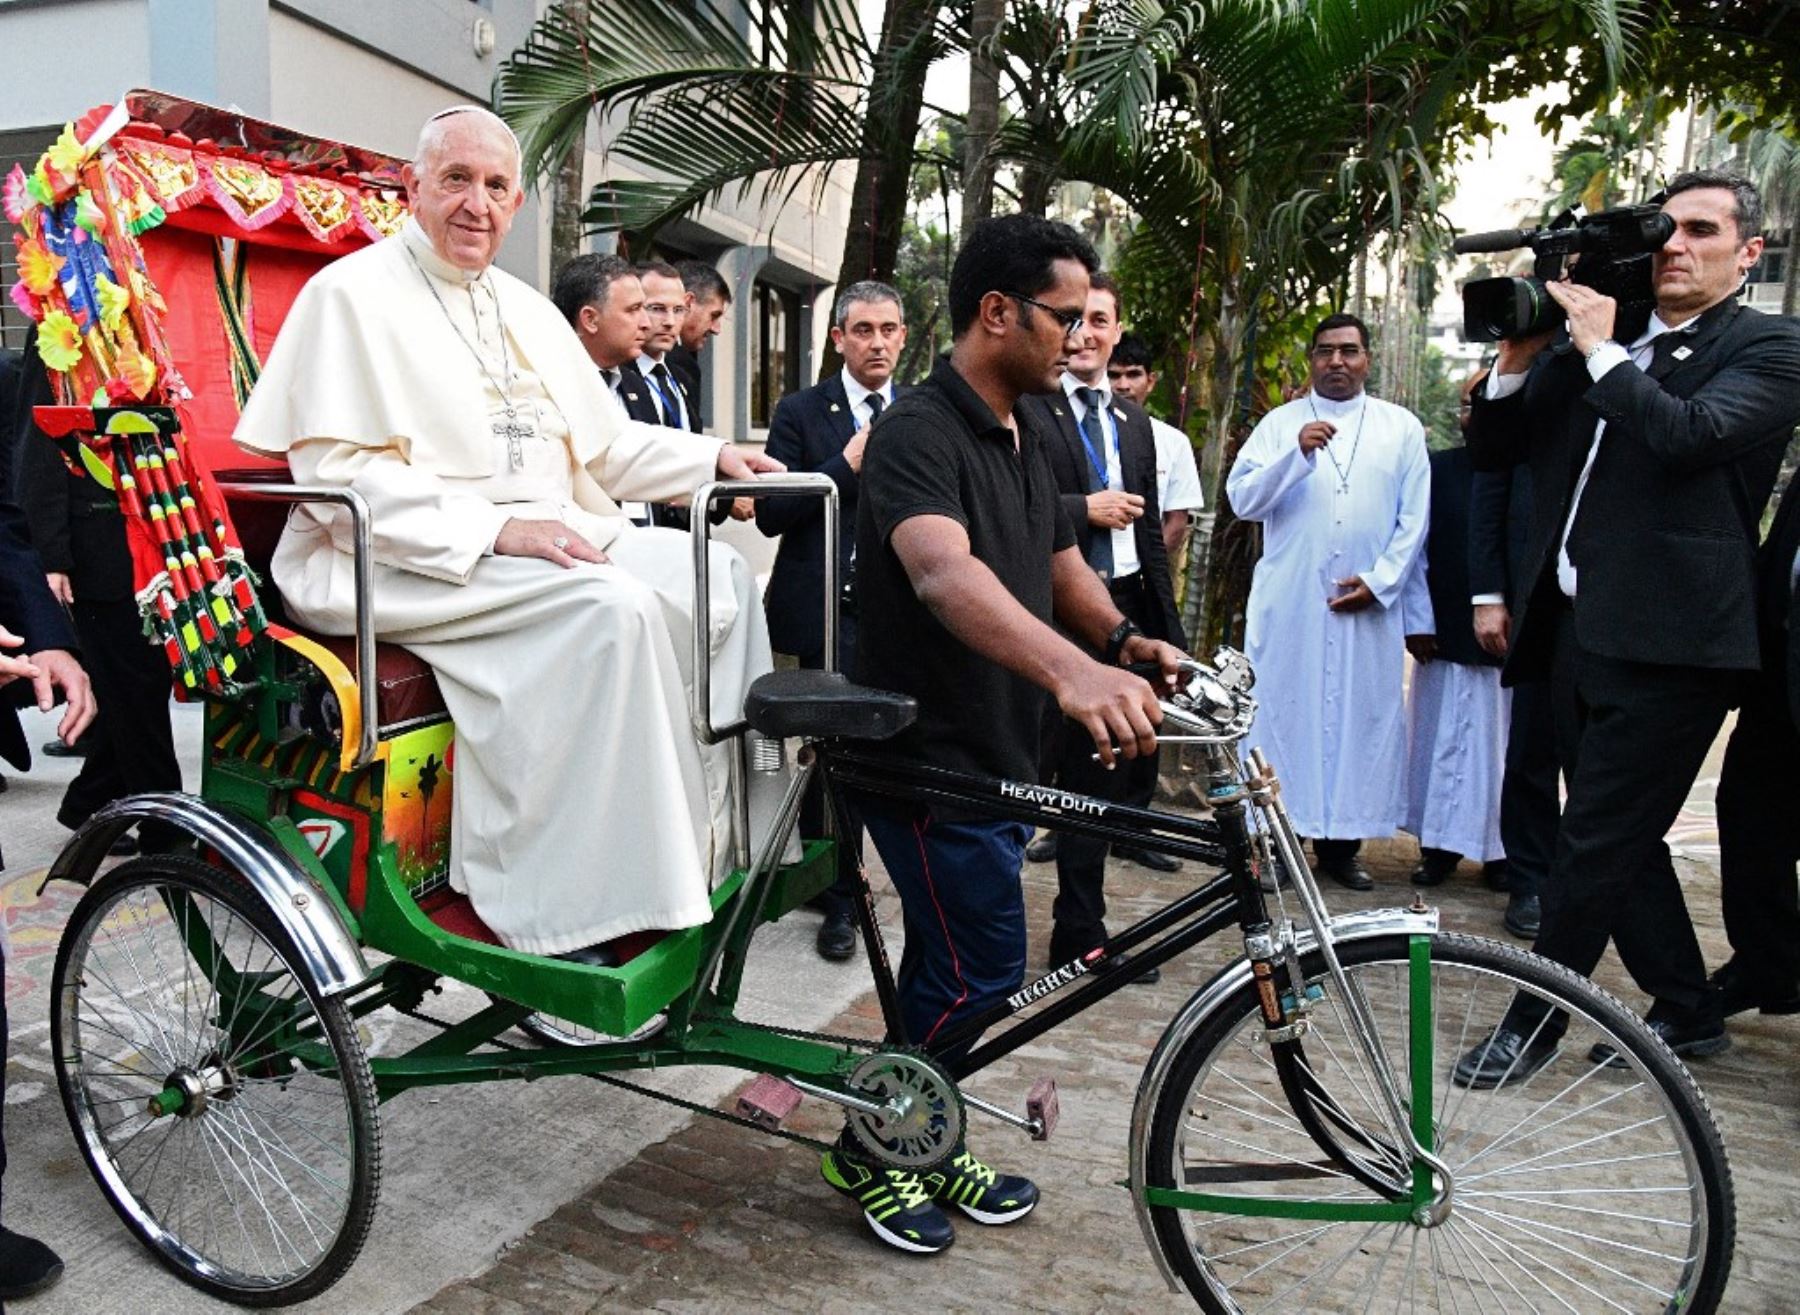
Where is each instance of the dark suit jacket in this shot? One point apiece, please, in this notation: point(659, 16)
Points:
point(27, 607)
point(685, 366)
point(1665, 544)
point(808, 432)
point(640, 399)
point(1778, 605)
point(1051, 415)
point(1500, 513)
point(1447, 560)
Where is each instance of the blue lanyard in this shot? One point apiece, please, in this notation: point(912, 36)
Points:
point(669, 402)
point(1093, 456)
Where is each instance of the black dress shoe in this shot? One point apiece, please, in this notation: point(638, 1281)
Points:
point(1431, 874)
point(57, 749)
point(1043, 849)
point(1523, 916)
point(1500, 1058)
point(1349, 873)
point(1691, 1039)
point(1147, 858)
point(26, 1265)
point(1148, 978)
point(1738, 993)
point(837, 937)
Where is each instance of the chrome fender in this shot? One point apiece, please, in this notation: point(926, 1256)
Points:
point(1234, 976)
point(328, 953)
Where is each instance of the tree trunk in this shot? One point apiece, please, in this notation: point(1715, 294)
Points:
point(566, 197)
point(986, 17)
point(883, 172)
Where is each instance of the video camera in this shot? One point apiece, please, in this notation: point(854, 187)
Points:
point(1615, 246)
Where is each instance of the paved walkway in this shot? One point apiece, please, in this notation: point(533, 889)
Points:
point(566, 1196)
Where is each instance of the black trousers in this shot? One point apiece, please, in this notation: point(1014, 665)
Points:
point(2, 1072)
point(1529, 804)
point(1632, 737)
point(837, 897)
point(1759, 833)
point(132, 745)
point(1079, 913)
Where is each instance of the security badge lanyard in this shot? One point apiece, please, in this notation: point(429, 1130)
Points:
point(1094, 458)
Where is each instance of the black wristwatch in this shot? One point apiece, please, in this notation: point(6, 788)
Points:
point(1116, 641)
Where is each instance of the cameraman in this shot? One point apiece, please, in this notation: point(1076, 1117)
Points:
point(1651, 461)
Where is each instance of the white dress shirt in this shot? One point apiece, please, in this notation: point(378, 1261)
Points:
point(860, 410)
point(646, 364)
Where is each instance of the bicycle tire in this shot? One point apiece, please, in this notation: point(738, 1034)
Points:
point(1637, 1135)
point(291, 1148)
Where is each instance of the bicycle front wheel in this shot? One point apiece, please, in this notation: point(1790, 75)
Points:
point(1578, 1186)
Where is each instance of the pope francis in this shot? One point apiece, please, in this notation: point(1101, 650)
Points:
point(458, 402)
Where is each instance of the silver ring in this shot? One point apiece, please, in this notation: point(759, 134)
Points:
point(560, 541)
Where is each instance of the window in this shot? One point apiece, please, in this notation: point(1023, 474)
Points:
point(774, 349)
point(1770, 268)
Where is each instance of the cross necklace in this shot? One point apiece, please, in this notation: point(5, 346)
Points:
point(512, 430)
point(1343, 471)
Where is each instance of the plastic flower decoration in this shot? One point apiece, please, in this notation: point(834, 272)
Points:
point(136, 371)
point(66, 154)
point(27, 304)
point(38, 268)
point(113, 301)
point(59, 341)
point(88, 214)
point(14, 198)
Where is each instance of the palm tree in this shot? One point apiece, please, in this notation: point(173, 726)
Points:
point(1772, 159)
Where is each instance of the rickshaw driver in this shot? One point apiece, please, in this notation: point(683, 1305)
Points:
point(964, 556)
point(459, 403)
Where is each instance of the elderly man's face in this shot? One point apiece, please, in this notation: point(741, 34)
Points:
point(613, 328)
point(466, 192)
point(704, 320)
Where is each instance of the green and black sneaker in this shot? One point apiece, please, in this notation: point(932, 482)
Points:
point(896, 1205)
point(979, 1192)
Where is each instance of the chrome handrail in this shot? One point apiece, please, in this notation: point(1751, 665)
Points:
point(362, 540)
point(790, 483)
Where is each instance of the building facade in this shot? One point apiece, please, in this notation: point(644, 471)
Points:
point(370, 74)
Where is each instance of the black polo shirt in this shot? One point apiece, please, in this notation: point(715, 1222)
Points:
point(939, 451)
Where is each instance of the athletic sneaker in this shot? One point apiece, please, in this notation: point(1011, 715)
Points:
point(979, 1192)
point(896, 1205)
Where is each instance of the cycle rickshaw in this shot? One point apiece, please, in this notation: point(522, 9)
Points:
point(1296, 1143)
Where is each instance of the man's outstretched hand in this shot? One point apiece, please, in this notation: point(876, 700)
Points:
point(745, 463)
point(51, 670)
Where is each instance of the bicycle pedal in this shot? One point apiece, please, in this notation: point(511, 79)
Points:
point(767, 1101)
point(1043, 1108)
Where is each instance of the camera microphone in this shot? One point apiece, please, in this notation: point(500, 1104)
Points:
point(1500, 239)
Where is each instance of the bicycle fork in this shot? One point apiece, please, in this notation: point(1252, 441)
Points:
point(1275, 964)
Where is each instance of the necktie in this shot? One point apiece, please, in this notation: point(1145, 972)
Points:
point(1093, 431)
point(665, 395)
point(610, 373)
point(874, 402)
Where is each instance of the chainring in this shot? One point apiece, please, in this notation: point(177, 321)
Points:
point(931, 1126)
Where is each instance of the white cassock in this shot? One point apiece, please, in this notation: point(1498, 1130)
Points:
point(584, 809)
point(1329, 684)
point(1456, 724)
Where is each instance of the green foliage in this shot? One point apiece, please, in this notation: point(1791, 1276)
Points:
point(1438, 400)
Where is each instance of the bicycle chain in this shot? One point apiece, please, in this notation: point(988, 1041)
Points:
point(724, 1116)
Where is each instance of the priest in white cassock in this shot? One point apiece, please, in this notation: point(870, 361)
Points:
point(1341, 485)
point(1456, 711)
point(458, 402)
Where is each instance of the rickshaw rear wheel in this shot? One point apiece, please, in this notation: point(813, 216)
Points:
point(225, 1108)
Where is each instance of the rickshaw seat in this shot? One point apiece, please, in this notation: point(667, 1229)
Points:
point(824, 705)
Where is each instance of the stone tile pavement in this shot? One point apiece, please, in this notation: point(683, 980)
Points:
point(717, 1218)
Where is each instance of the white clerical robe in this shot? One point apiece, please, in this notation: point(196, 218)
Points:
point(584, 807)
point(1456, 725)
point(1329, 684)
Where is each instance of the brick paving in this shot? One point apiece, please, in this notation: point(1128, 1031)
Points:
point(719, 1218)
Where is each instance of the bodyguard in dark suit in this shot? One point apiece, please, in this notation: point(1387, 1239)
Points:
point(1657, 457)
point(662, 397)
point(1759, 825)
point(823, 429)
point(79, 535)
point(1500, 520)
point(708, 298)
point(1103, 454)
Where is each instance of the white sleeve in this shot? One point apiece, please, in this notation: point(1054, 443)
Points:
point(1269, 466)
point(1411, 520)
point(1416, 615)
point(1182, 491)
point(421, 522)
point(1502, 385)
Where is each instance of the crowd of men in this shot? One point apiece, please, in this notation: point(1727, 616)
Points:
point(1005, 552)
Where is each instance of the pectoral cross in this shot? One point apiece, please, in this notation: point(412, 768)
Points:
point(515, 431)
